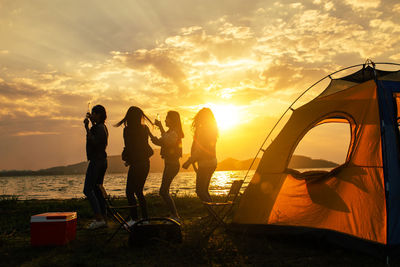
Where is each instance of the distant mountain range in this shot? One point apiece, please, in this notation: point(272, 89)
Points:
point(116, 165)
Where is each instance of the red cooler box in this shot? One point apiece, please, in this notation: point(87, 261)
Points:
point(53, 228)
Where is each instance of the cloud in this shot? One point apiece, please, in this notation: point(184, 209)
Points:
point(276, 53)
point(19, 91)
point(363, 4)
point(385, 25)
point(282, 47)
point(161, 60)
point(35, 133)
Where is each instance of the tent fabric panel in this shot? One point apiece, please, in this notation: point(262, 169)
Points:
point(390, 141)
point(336, 85)
point(394, 76)
point(397, 100)
point(351, 202)
point(259, 197)
point(340, 84)
point(366, 74)
point(367, 149)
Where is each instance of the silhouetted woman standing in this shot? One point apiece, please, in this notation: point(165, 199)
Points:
point(137, 153)
point(96, 143)
point(203, 151)
point(171, 151)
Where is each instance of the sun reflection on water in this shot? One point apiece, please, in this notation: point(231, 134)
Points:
point(71, 186)
point(222, 180)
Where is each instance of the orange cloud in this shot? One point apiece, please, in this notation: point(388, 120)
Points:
point(35, 133)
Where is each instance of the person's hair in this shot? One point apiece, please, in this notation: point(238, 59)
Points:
point(133, 117)
point(99, 109)
point(176, 124)
point(204, 123)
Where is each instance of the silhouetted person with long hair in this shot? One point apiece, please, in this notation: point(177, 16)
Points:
point(171, 150)
point(203, 151)
point(138, 153)
point(96, 143)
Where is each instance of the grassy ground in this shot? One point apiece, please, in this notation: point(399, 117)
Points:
point(222, 248)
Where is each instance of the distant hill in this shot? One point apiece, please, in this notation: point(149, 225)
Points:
point(298, 162)
point(231, 164)
point(116, 165)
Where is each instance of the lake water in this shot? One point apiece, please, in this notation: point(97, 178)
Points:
point(71, 186)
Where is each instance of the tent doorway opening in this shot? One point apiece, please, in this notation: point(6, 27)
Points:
point(322, 148)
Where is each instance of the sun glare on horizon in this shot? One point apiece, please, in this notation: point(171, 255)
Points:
point(227, 116)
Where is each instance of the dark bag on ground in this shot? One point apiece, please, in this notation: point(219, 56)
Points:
point(152, 230)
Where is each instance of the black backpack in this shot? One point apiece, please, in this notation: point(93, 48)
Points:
point(152, 230)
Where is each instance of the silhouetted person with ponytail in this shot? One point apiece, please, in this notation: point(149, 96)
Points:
point(171, 150)
point(203, 151)
point(96, 143)
point(137, 153)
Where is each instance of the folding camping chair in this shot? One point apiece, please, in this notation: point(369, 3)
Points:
point(144, 230)
point(220, 210)
point(112, 212)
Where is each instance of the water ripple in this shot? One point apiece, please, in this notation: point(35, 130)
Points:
point(71, 186)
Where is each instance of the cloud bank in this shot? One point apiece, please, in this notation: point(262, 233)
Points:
point(258, 57)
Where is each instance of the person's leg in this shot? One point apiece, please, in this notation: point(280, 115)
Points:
point(130, 191)
point(203, 178)
point(99, 181)
point(170, 171)
point(201, 185)
point(141, 175)
point(208, 174)
point(90, 186)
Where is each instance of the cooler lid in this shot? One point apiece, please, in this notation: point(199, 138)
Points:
point(53, 217)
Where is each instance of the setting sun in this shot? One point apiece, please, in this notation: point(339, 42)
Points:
point(227, 116)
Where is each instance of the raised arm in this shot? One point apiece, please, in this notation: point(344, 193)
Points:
point(159, 125)
point(153, 138)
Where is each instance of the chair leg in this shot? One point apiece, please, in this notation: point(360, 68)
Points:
point(219, 218)
point(112, 236)
point(215, 215)
point(118, 219)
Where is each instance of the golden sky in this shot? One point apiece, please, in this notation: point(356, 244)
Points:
point(246, 60)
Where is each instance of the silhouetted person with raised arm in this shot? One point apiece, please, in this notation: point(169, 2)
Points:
point(171, 150)
point(137, 156)
point(203, 151)
point(96, 143)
